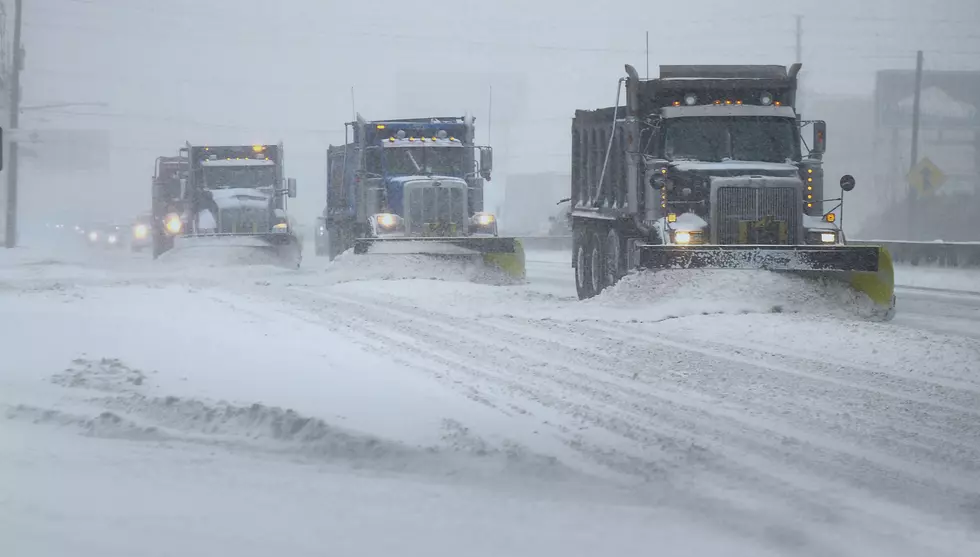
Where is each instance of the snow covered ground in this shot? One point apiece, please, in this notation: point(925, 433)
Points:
point(363, 408)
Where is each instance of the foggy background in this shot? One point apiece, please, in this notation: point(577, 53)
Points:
point(109, 85)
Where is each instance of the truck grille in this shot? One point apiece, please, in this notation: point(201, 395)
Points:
point(739, 210)
point(437, 211)
point(243, 221)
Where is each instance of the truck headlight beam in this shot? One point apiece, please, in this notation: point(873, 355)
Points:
point(173, 224)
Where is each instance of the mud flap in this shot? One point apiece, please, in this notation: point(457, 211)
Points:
point(867, 269)
point(505, 254)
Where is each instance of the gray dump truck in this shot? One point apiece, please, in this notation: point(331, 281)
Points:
point(707, 166)
point(225, 196)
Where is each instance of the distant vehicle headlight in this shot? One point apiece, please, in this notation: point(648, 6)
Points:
point(140, 231)
point(93, 236)
point(112, 239)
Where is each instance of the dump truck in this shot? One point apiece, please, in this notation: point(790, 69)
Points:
point(413, 186)
point(707, 167)
point(225, 196)
point(169, 175)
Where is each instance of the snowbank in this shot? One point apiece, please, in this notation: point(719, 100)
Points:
point(684, 292)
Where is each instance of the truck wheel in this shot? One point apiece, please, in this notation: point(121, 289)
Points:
point(614, 261)
point(597, 261)
point(583, 266)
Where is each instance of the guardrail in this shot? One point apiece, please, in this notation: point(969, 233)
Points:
point(547, 242)
point(943, 254)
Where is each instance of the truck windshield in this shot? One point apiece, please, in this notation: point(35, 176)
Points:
point(742, 138)
point(405, 161)
point(218, 177)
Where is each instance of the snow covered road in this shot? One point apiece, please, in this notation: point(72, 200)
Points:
point(725, 422)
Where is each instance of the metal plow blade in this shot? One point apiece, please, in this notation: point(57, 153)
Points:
point(867, 269)
point(251, 249)
point(505, 254)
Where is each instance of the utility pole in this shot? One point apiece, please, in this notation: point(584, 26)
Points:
point(799, 59)
point(648, 55)
point(799, 38)
point(10, 236)
point(915, 141)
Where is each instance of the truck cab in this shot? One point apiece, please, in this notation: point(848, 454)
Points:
point(412, 178)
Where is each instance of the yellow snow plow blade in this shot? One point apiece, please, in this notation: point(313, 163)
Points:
point(505, 254)
point(878, 285)
point(867, 269)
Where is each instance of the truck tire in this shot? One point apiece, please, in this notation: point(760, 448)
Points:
point(583, 270)
point(615, 262)
point(597, 260)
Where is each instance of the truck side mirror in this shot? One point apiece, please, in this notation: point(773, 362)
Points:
point(847, 182)
point(819, 138)
point(291, 187)
point(486, 162)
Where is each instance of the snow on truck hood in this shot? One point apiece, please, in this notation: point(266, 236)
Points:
point(240, 197)
point(748, 166)
point(402, 180)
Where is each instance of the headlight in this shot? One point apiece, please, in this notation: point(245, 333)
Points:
point(173, 223)
point(821, 237)
point(112, 239)
point(140, 231)
point(386, 220)
point(93, 236)
point(281, 227)
point(484, 219)
point(687, 237)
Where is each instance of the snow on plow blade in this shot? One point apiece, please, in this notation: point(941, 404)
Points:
point(506, 254)
point(866, 269)
point(278, 249)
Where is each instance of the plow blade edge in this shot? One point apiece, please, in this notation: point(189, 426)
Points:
point(866, 269)
point(506, 254)
point(281, 249)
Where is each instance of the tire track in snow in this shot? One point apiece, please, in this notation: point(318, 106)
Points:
point(759, 440)
point(733, 517)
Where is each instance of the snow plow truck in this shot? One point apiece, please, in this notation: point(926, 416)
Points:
point(413, 186)
point(225, 197)
point(704, 167)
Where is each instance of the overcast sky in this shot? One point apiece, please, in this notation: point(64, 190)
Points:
point(243, 71)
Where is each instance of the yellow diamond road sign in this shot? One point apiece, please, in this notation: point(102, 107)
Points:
point(926, 176)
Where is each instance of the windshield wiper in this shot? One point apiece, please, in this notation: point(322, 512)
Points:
point(414, 163)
